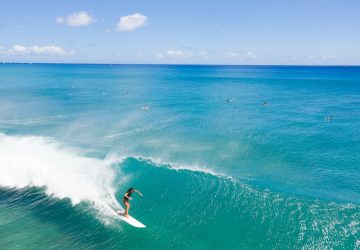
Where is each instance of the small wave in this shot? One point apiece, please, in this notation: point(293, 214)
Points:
point(32, 121)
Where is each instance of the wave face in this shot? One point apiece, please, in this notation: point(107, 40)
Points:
point(219, 167)
point(51, 184)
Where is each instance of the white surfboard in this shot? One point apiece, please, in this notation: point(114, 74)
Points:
point(130, 220)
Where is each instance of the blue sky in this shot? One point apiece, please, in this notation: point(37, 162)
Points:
point(163, 31)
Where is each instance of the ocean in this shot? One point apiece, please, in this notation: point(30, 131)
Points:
point(227, 157)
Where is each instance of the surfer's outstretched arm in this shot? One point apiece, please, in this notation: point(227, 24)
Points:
point(137, 191)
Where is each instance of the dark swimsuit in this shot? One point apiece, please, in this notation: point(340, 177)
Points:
point(125, 199)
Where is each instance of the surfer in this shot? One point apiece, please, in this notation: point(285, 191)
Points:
point(329, 117)
point(127, 198)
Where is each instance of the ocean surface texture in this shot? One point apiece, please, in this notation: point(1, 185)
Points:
point(227, 157)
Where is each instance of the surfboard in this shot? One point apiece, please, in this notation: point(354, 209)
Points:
point(130, 220)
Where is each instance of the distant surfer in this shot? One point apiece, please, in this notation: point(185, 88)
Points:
point(230, 99)
point(145, 107)
point(127, 198)
point(329, 117)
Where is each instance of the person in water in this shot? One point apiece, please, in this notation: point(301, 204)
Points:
point(127, 198)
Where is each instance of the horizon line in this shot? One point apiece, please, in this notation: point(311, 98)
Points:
point(188, 64)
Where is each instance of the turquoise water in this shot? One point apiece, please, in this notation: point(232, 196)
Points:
point(219, 169)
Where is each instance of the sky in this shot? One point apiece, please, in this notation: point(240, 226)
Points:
point(286, 32)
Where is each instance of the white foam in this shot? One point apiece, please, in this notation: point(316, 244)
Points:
point(64, 173)
point(181, 166)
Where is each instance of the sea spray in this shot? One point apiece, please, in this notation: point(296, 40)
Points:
point(63, 173)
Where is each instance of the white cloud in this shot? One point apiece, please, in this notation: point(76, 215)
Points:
point(250, 55)
point(81, 18)
point(131, 22)
point(237, 55)
point(40, 50)
point(18, 49)
point(231, 55)
point(203, 54)
point(176, 54)
point(326, 57)
point(323, 57)
point(182, 54)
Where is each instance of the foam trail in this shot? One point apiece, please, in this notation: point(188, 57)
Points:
point(38, 162)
